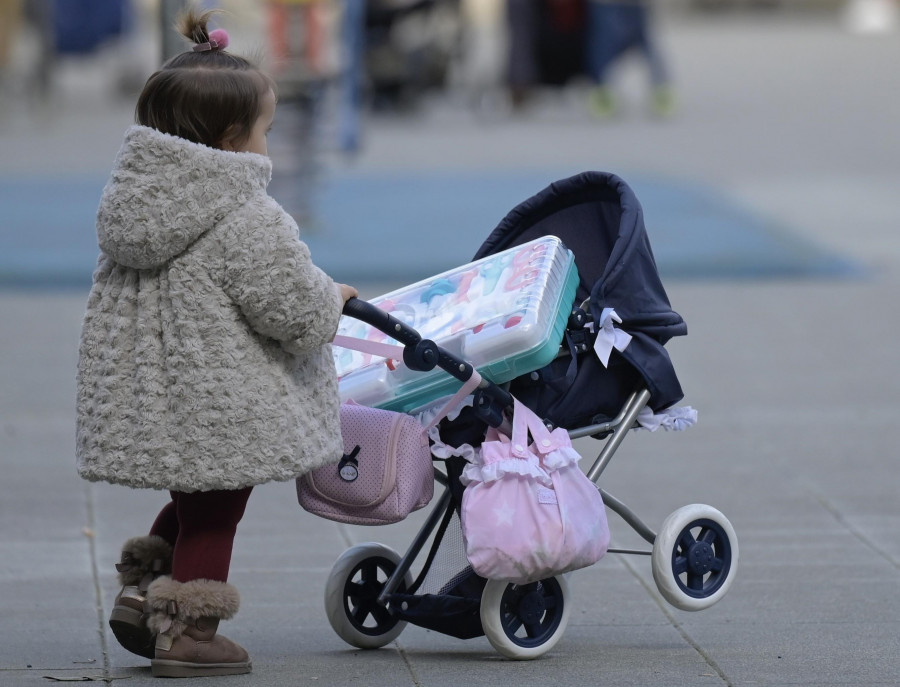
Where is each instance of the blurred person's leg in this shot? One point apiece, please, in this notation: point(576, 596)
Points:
point(644, 40)
point(353, 45)
point(662, 97)
point(522, 16)
point(39, 14)
point(608, 36)
point(482, 61)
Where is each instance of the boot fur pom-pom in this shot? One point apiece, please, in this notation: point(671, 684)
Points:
point(140, 556)
point(173, 605)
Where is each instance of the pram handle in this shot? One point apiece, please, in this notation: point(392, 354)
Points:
point(364, 311)
point(418, 353)
point(423, 355)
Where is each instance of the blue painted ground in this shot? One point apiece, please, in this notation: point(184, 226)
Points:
point(404, 227)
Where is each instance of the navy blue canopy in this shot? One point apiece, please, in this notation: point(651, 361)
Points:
point(598, 217)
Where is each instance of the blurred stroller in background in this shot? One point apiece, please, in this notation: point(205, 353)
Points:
point(410, 45)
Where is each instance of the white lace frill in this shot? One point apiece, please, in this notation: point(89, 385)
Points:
point(492, 471)
point(532, 466)
point(676, 419)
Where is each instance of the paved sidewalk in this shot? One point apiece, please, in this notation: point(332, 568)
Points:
point(795, 381)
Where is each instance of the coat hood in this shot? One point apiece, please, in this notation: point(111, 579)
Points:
point(166, 192)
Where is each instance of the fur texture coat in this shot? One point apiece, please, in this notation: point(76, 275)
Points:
point(204, 358)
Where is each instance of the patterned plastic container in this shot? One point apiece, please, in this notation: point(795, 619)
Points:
point(505, 314)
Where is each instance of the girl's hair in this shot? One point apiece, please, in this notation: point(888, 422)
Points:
point(209, 96)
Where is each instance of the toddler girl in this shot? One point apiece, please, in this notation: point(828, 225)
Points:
point(204, 362)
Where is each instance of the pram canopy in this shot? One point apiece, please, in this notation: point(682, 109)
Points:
point(600, 220)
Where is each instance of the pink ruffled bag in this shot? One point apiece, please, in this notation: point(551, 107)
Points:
point(528, 511)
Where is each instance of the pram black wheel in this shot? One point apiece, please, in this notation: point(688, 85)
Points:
point(351, 594)
point(695, 557)
point(525, 621)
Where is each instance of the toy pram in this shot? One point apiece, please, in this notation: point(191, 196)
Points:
point(586, 253)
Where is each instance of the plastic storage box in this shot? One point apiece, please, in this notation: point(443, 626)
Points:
point(505, 314)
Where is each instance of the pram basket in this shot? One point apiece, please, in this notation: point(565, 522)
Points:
point(371, 593)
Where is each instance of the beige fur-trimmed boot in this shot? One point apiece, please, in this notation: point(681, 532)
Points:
point(143, 560)
point(185, 616)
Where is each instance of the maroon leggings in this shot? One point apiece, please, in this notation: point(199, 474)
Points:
point(201, 526)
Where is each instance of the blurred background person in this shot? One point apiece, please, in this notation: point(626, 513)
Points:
point(304, 49)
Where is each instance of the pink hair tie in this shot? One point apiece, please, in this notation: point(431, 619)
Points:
point(218, 40)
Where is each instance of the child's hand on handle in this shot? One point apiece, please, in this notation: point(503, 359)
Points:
point(348, 292)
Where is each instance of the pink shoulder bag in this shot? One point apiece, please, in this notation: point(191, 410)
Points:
point(386, 470)
point(528, 511)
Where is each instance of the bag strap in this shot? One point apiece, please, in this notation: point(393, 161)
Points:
point(525, 421)
point(384, 350)
point(467, 388)
point(396, 353)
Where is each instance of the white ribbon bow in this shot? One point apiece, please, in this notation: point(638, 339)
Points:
point(609, 337)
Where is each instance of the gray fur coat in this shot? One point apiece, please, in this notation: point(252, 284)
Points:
point(204, 358)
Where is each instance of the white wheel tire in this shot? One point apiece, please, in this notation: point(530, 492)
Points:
point(341, 572)
point(668, 584)
point(492, 622)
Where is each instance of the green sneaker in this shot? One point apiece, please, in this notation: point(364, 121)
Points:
point(602, 103)
point(662, 101)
